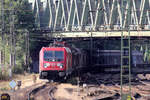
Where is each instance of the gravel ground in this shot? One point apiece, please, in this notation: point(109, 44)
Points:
point(93, 87)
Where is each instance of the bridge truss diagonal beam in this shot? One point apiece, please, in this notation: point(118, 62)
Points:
point(66, 15)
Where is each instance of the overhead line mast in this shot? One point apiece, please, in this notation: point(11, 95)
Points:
point(12, 40)
point(2, 51)
point(125, 54)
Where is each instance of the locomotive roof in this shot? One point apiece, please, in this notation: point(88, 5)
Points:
point(53, 47)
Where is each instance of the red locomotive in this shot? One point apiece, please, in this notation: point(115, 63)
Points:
point(60, 60)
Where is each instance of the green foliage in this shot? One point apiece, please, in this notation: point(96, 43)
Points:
point(4, 75)
point(144, 47)
point(20, 49)
point(147, 54)
point(23, 19)
point(4, 89)
point(141, 49)
point(18, 69)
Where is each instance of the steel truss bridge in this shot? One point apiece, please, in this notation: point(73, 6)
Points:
point(99, 18)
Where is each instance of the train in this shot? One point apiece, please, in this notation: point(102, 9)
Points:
point(60, 60)
point(110, 60)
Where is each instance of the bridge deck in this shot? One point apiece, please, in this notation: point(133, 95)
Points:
point(100, 34)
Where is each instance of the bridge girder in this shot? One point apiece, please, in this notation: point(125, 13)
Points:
point(84, 15)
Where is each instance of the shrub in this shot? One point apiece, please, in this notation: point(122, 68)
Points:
point(18, 69)
point(4, 74)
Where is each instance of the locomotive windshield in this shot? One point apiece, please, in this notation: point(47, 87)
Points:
point(53, 55)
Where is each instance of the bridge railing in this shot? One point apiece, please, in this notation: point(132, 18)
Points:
point(90, 28)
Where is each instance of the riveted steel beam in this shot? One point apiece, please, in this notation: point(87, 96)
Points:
point(51, 8)
point(37, 12)
point(70, 14)
point(134, 13)
point(142, 10)
point(73, 19)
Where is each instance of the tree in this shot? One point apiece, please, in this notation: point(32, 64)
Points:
point(23, 16)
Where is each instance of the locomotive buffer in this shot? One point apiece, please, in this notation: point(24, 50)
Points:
point(125, 57)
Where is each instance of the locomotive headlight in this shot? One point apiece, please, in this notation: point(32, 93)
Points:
point(46, 65)
point(60, 65)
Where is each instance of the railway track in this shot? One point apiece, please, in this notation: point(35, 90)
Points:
point(51, 93)
point(110, 85)
point(44, 92)
point(22, 94)
point(98, 87)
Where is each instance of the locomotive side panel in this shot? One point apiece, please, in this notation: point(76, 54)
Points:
point(41, 60)
point(79, 59)
point(68, 61)
point(109, 58)
point(137, 58)
point(51, 65)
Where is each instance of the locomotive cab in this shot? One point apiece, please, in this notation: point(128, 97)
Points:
point(60, 61)
point(54, 62)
